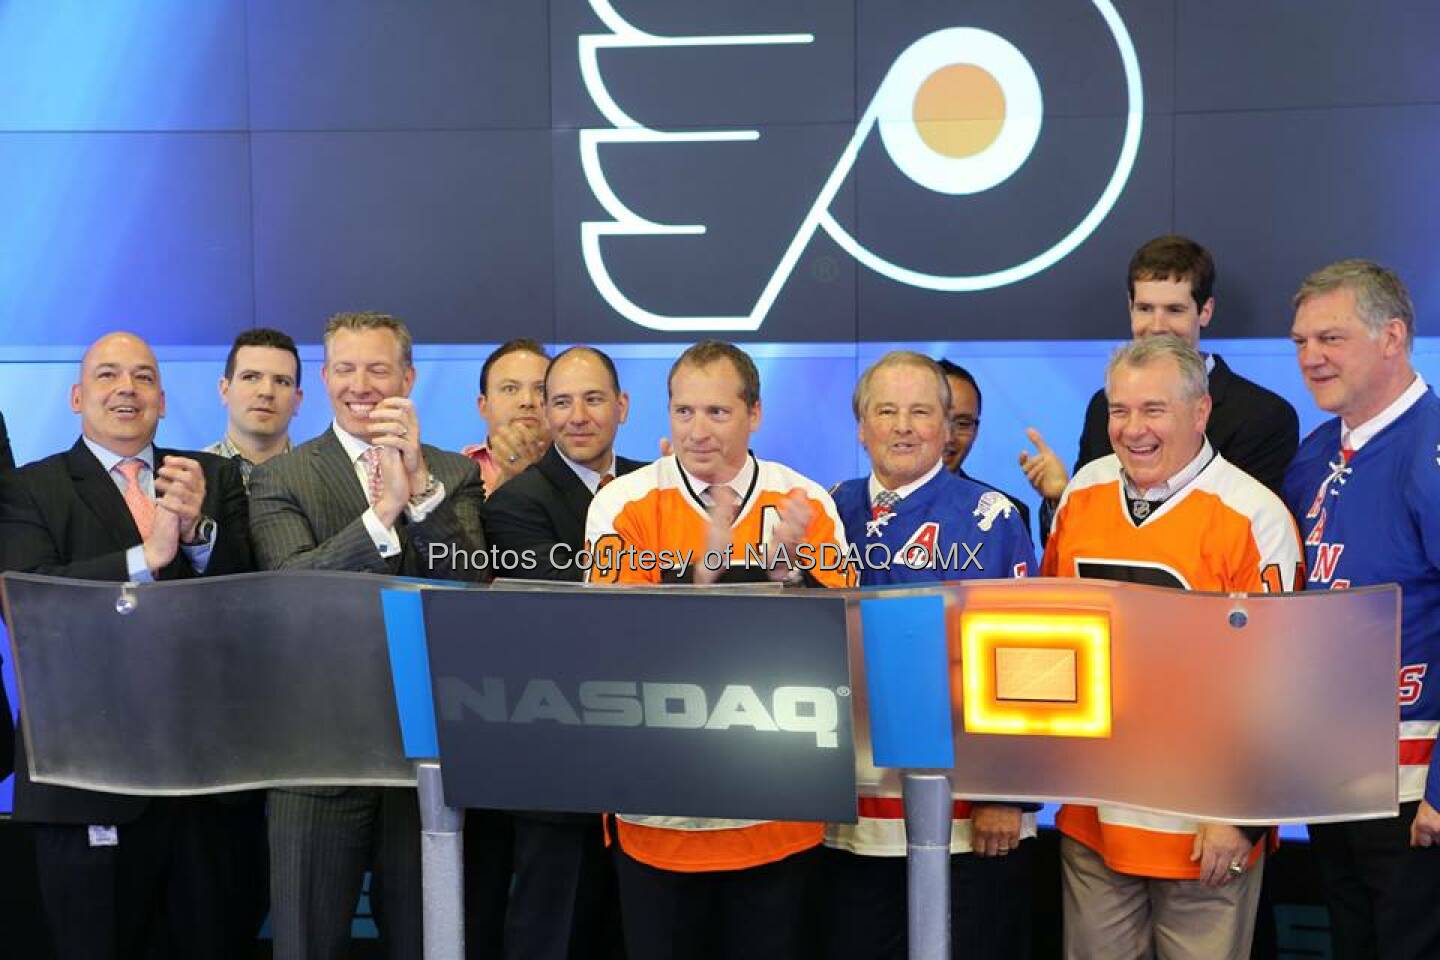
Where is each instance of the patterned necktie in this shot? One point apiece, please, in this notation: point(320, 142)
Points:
point(371, 459)
point(883, 503)
point(725, 502)
point(604, 480)
point(1346, 452)
point(142, 508)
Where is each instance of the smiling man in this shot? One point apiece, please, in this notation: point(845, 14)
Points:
point(692, 886)
point(1365, 488)
point(362, 496)
point(261, 394)
point(1164, 509)
point(122, 874)
point(916, 522)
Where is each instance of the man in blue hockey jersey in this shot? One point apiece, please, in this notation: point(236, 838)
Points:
point(1364, 489)
point(911, 521)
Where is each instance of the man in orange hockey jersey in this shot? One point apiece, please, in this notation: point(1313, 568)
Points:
point(1165, 509)
point(690, 886)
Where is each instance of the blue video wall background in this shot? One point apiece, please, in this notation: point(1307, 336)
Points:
point(638, 174)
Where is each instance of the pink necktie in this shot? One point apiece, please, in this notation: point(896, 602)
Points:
point(726, 502)
point(371, 459)
point(142, 508)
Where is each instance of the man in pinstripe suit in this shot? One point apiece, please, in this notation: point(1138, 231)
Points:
point(365, 495)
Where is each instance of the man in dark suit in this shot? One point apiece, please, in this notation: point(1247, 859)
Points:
point(7, 732)
point(1171, 287)
point(564, 902)
point(118, 874)
point(365, 495)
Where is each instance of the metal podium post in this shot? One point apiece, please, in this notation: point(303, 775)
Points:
point(442, 868)
point(928, 812)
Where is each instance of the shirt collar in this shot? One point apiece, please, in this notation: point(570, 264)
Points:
point(1176, 483)
point(1363, 434)
point(354, 447)
point(902, 492)
point(740, 483)
point(587, 476)
point(225, 447)
point(109, 458)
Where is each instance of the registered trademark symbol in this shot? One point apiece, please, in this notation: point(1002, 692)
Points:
point(825, 269)
point(842, 691)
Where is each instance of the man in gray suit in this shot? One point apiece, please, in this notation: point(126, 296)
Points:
point(365, 495)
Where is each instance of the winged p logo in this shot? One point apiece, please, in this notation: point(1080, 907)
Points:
point(958, 112)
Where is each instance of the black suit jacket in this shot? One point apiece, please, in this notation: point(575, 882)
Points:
point(7, 731)
point(306, 508)
point(542, 507)
point(1254, 428)
point(65, 517)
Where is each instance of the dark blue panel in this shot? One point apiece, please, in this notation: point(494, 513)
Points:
point(907, 679)
point(450, 231)
point(410, 668)
point(149, 232)
point(751, 197)
point(375, 66)
point(1242, 55)
point(1081, 296)
point(165, 65)
point(1278, 194)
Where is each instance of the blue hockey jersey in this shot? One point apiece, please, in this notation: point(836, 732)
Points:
point(1376, 519)
point(949, 528)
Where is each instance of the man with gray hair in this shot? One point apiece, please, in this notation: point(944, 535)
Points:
point(912, 521)
point(1164, 509)
point(1364, 489)
point(362, 496)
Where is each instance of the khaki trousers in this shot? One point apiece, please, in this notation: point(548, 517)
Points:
point(1116, 916)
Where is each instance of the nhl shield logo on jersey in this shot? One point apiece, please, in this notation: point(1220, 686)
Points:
point(992, 506)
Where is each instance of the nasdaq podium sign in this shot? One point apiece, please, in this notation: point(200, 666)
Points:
point(667, 702)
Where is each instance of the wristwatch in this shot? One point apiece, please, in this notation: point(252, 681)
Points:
point(431, 485)
point(204, 532)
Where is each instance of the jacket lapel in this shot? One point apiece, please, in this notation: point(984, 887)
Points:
point(95, 489)
point(337, 481)
point(574, 495)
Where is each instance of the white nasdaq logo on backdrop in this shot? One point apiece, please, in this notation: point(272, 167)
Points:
point(955, 65)
point(813, 711)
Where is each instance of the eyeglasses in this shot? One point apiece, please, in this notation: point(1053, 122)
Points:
point(964, 423)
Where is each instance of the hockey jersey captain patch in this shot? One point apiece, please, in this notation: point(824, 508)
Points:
point(919, 551)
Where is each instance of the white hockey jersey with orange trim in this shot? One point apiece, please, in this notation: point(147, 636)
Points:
point(645, 527)
point(1223, 531)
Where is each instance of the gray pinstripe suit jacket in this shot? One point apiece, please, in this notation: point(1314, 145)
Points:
point(306, 505)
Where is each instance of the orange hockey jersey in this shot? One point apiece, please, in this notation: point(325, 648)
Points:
point(1223, 531)
point(649, 526)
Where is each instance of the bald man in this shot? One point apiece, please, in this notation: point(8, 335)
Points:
point(120, 875)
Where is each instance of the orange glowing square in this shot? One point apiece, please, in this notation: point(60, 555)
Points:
point(1013, 668)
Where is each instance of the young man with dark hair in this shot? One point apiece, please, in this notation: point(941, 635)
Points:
point(261, 391)
point(511, 402)
point(963, 429)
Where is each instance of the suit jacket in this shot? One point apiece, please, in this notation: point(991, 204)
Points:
point(1254, 428)
point(7, 730)
point(306, 508)
point(542, 507)
point(64, 516)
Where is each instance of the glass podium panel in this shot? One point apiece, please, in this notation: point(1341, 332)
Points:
point(1254, 709)
point(206, 685)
